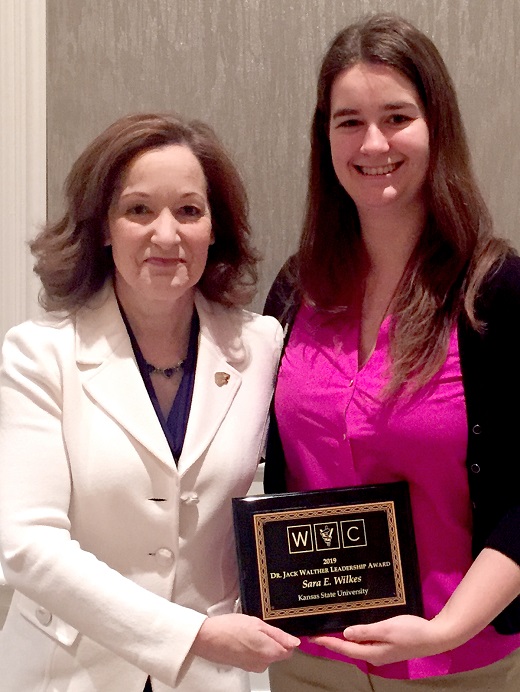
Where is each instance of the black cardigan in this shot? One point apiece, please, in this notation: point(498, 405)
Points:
point(490, 365)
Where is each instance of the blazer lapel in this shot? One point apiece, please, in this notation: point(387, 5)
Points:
point(111, 377)
point(217, 379)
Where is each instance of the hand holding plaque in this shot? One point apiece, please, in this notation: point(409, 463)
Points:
point(318, 561)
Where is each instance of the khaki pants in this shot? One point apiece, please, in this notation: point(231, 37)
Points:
point(304, 673)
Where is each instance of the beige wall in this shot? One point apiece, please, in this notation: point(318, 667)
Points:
point(249, 68)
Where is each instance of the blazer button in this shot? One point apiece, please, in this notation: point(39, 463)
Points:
point(189, 498)
point(43, 616)
point(475, 468)
point(476, 429)
point(164, 557)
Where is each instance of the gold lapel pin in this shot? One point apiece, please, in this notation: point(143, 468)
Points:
point(221, 378)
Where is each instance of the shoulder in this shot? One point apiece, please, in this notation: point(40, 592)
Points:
point(233, 329)
point(498, 308)
point(284, 295)
point(55, 336)
point(259, 326)
point(247, 324)
point(38, 335)
point(54, 327)
point(502, 285)
point(33, 355)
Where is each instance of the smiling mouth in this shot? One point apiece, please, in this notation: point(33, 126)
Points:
point(378, 170)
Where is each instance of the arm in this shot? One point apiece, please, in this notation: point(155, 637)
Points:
point(40, 556)
point(490, 584)
point(282, 303)
point(39, 553)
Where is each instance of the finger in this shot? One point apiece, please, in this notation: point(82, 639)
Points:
point(288, 641)
point(332, 643)
point(261, 662)
point(268, 652)
point(363, 633)
point(367, 651)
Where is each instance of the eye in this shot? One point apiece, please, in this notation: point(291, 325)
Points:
point(138, 210)
point(191, 212)
point(399, 119)
point(350, 122)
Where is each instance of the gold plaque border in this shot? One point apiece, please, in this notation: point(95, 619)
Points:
point(271, 613)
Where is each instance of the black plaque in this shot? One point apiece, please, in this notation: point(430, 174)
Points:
point(318, 561)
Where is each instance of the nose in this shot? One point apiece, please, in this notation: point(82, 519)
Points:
point(374, 141)
point(165, 229)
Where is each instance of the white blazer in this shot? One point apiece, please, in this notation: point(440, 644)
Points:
point(116, 554)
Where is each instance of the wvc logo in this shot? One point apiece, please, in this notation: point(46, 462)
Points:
point(307, 538)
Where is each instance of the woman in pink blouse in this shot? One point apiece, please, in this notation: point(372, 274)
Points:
point(402, 347)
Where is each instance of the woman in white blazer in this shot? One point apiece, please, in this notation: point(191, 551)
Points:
point(131, 414)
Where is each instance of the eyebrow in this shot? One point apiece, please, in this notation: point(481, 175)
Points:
point(132, 193)
point(148, 195)
point(388, 107)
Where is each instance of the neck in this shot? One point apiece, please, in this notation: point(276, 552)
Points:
point(161, 320)
point(389, 238)
point(161, 329)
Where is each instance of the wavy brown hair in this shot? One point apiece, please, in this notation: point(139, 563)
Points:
point(71, 258)
point(456, 249)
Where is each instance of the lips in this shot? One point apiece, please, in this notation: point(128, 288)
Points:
point(164, 261)
point(378, 170)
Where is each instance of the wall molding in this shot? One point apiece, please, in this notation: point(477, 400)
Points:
point(23, 152)
point(23, 165)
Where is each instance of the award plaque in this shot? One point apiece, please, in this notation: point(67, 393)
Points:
point(315, 562)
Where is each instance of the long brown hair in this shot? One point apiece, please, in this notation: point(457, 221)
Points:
point(456, 249)
point(71, 258)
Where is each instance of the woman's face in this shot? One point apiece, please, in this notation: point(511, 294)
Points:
point(378, 137)
point(159, 226)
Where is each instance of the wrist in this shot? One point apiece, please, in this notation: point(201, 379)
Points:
point(199, 641)
point(448, 632)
